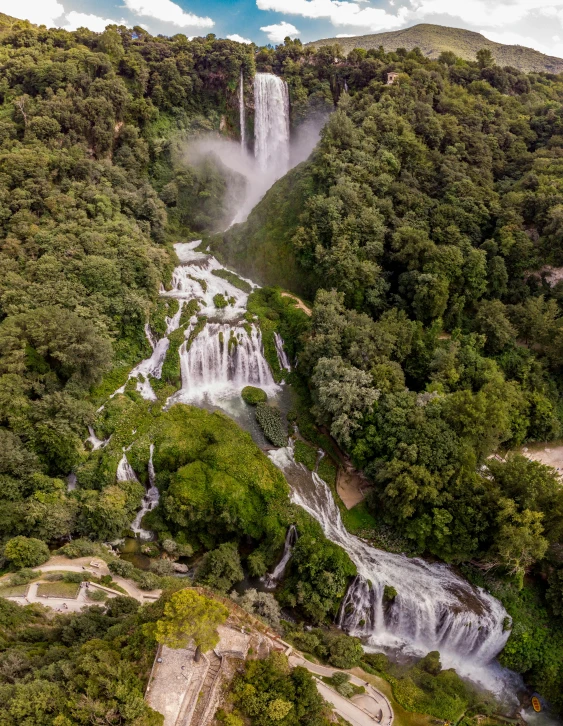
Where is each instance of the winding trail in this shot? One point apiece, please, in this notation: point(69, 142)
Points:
point(300, 304)
point(361, 710)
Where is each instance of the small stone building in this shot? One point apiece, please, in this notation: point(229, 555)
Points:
point(391, 78)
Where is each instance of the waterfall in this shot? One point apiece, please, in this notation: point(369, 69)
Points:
point(221, 361)
point(283, 360)
point(271, 124)
point(291, 538)
point(150, 501)
point(94, 440)
point(242, 111)
point(150, 336)
point(125, 470)
point(434, 609)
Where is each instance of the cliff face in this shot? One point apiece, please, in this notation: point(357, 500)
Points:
point(435, 39)
point(261, 247)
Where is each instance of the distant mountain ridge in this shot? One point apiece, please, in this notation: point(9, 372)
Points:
point(435, 39)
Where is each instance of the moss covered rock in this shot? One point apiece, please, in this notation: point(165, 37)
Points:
point(253, 396)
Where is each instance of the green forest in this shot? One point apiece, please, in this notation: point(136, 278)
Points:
point(426, 229)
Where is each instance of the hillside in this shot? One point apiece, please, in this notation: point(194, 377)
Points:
point(435, 39)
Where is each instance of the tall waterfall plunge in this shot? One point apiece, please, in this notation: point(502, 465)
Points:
point(242, 112)
point(434, 609)
point(271, 124)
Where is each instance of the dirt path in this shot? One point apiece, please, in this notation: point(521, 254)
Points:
point(300, 304)
point(351, 487)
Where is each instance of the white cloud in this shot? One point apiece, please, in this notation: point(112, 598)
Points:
point(168, 12)
point(76, 20)
point(345, 35)
point(339, 12)
point(478, 12)
point(526, 22)
point(41, 12)
point(277, 33)
point(239, 39)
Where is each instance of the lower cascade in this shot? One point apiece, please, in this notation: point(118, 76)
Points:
point(150, 501)
point(221, 361)
point(433, 609)
point(290, 540)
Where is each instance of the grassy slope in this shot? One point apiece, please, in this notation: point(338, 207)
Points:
point(261, 247)
point(434, 39)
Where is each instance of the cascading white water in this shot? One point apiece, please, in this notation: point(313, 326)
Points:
point(291, 538)
point(150, 501)
point(95, 442)
point(434, 609)
point(283, 360)
point(242, 112)
point(221, 361)
point(271, 124)
point(125, 471)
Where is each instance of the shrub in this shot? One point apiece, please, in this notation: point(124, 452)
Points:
point(377, 662)
point(221, 568)
point(122, 605)
point(162, 567)
point(341, 682)
point(146, 580)
point(253, 396)
point(97, 595)
point(23, 577)
point(78, 548)
point(150, 549)
point(220, 301)
point(389, 593)
point(270, 421)
point(26, 551)
point(175, 549)
point(73, 577)
point(344, 651)
point(121, 568)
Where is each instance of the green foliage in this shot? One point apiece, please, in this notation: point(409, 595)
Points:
point(221, 568)
point(331, 646)
point(233, 279)
point(87, 663)
point(448, 45)
point(270, 421)
point(26, 552)
point(262, 604)
point(389, 593)
point(306, 454)
point(535, 645)
point(190, 619)
point(424, 687)
point(269, 691)
point(253, 396)
point(97, 595)
point(220, 301)
point(79, 548)
point(318, 576)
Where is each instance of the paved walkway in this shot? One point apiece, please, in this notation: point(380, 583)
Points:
point(82, 564)
point(360, 710)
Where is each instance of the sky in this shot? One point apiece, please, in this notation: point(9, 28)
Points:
point(534, 23)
